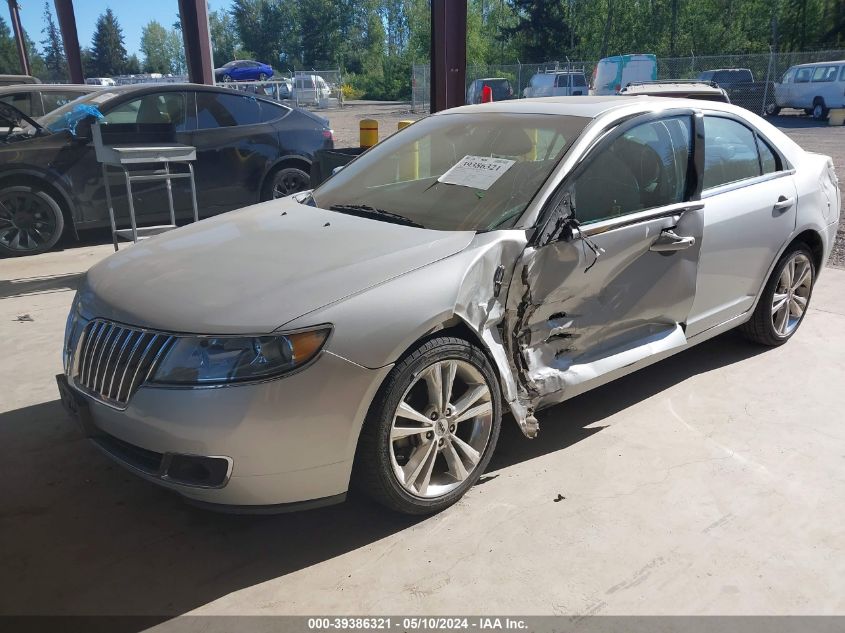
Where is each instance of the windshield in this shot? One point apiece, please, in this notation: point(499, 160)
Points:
point(493, 164)
point(57, 120)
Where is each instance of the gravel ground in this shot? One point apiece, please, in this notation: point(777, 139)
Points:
point(812, 136)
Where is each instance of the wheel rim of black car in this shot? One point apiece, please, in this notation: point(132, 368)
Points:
point(26, 221)
point(288, 182)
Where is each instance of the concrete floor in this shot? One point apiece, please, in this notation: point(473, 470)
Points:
point(712, 483)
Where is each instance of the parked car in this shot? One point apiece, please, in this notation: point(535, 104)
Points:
point(14, 80)
point(377, 328)
point(243, 70)
point(36, 100)
point(678, 88)
point(310, 89)
point(500, 87)
point(611, 74)
point(556, 84)
point(741, 88)
point(100, 81)
point(248, 149)
point(814, 88)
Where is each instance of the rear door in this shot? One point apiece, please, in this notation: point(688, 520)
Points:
point(618, 289)
point(233, 147)
point(750, 196)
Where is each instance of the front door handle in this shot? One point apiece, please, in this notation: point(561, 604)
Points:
point(784, 203)
point(671, 241)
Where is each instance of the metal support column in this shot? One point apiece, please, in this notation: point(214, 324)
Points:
point(194, 15)
point(70, 40)
point(448, 53)
point(19, 38)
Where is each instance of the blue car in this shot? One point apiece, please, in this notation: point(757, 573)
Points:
point(243, 70)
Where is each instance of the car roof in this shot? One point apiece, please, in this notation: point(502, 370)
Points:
point(48, 88)
point(813, 64)
point(700, 87)
point(592, 106)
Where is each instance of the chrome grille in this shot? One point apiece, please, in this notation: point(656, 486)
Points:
point(112, 360)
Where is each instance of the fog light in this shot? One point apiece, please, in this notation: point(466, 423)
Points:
point(198, 471)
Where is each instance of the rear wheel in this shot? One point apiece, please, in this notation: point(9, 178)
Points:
point(772, 110)
point(227, 78)
point(820, 111)
point(432, 428)
point(31, 221)
point(284, 182)
point(785, 298)
point(262, 77)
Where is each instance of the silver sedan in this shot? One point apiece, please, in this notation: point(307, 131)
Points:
point(495, 258)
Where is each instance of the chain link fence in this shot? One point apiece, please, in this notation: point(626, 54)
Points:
point(754, 91)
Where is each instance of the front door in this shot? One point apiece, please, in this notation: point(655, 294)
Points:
point(616, 286)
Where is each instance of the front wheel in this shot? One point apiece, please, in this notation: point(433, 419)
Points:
point(262, 77)
point(31, 221)
point(227, 78)
point(819, 110)
point(432, 428)
point(785, 299)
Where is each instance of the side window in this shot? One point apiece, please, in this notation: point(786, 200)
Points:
point(803, 75)
point(644, 168)
point(53, 100)
point(842, 74)
point(580, 81)
point(730, 152)
point(215, 110)
point(768, 159)
point(165, 107)
point(21, 100)
point(788, 76)
point(825, 73)
point(272, 111)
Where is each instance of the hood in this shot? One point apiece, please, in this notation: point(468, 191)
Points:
point(253, 270)
point(14, 117)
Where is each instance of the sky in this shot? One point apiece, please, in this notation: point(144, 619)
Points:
point(131, 14)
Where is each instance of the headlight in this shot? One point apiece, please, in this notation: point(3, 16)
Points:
point(200, 360)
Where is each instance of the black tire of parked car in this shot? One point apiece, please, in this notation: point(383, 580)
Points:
point(373, 471)
point(262, 77)
point(31, 220)
point(760, 329)
point(772, 110)
point(285, 181)
point(227, 78)
point(820, 110)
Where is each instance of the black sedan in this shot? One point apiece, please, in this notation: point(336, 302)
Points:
point(248, 149)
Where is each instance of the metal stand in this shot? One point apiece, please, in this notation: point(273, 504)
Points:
point(125, 157)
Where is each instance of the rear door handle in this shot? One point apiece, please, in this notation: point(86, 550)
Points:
point(784, 203)
point(671, 241)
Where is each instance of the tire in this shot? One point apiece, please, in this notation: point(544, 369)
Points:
point(285, 181)
point(820, 111)
point(772, 110)
point(227, 78)
point(31, 220)
point(422, 467)
point(765, 327)
point(262, 77)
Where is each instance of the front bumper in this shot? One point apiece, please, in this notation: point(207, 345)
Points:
point(288, 440)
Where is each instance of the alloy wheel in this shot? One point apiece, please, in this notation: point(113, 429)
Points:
point(441, 428)
point(289, 181)
point(27, 223)
point(792, 294)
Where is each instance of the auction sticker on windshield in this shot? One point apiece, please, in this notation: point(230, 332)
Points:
point(478, 172)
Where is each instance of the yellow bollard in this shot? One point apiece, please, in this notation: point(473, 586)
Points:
point(404, 123)
point(836, 117)
point(409, 162)
point(369, 132)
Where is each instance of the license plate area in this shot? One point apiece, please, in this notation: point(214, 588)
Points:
point(76, 406)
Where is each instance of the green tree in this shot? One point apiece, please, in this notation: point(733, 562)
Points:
point(133, 65)
point(108, 54)
point(54, 51)
point(224, 37)
point(176, 52)
point(154, 47)
point(8, 52)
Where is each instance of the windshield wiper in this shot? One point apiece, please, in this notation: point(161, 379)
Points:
point(365, 211)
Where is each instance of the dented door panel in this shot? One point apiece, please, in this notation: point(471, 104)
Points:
point(575, 319)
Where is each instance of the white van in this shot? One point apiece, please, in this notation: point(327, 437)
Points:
point(310, 89)
point(814, 88)
point(560, 83)
point(100, 81)
point(611, 74)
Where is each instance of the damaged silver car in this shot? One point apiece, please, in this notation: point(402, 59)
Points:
point(488, 259)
